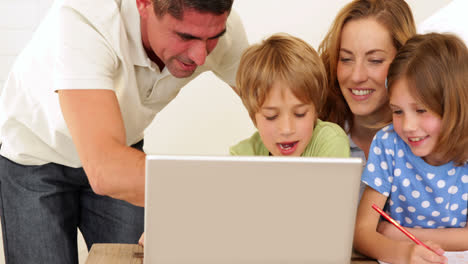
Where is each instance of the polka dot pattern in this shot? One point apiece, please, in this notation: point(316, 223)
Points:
point(377, 151)
point(385, 136)
point(397, 172)
point(406, 182)
point(378, 182)
point(419, 195)
point(383, 165)
point(401, 153)
point(453, 189)
point(465, 178)
point(441, 184)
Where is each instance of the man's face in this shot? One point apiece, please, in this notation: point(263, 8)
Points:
point(181, 45)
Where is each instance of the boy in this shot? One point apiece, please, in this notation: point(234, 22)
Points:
point(282, 83)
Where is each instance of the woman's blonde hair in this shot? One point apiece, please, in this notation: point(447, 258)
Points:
point(281, 58)
point(435, 67)
point(394, 15)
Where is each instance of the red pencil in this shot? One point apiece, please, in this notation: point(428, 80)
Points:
point(402, 229)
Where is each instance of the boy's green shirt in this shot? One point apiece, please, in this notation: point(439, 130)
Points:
point(328, 140)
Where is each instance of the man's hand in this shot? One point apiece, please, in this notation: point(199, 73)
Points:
point(141, 242)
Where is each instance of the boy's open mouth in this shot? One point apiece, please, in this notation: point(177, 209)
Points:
point(288, 145)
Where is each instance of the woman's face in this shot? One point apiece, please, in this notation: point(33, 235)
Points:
point(366, 51)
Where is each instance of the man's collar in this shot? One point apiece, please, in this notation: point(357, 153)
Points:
point(131, 18)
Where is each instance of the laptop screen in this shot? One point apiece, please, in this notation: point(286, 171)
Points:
point(250, 209)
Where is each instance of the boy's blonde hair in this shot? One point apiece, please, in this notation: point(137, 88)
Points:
point(435, 67)
point(281, 58)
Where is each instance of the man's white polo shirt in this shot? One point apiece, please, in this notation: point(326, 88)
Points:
point(89, 44)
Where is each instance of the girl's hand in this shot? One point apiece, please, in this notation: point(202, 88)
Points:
point(141, 242)
point(419, 254)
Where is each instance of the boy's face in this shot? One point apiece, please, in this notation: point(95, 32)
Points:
point(418, 126)
point(284, 122)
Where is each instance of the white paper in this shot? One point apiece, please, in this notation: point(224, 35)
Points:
point(454, 257)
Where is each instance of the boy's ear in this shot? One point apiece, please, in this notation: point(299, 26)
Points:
point(144, 6)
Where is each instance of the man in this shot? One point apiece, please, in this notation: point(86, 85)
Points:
point(79, 96)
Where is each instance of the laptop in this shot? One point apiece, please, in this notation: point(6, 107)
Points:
point(231, 209)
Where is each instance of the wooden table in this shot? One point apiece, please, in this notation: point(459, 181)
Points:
point(115, 254)
point(133, 254)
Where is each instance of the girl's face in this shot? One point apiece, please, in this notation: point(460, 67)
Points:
point(284, 123)
point(366, 51)
point(418, 126)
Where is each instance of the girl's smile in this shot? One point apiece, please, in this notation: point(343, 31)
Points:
point(418, 126)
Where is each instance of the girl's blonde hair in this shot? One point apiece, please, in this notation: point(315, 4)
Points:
point(280, 58)
point(394, 15)
point(435, 66)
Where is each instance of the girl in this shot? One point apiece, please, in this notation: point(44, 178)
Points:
point(417, 167)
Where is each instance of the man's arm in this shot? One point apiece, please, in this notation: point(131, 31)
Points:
point(96, 126)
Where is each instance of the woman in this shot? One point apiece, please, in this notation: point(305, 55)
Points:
point(357, 51)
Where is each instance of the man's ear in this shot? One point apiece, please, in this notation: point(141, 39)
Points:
point(144, 6)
